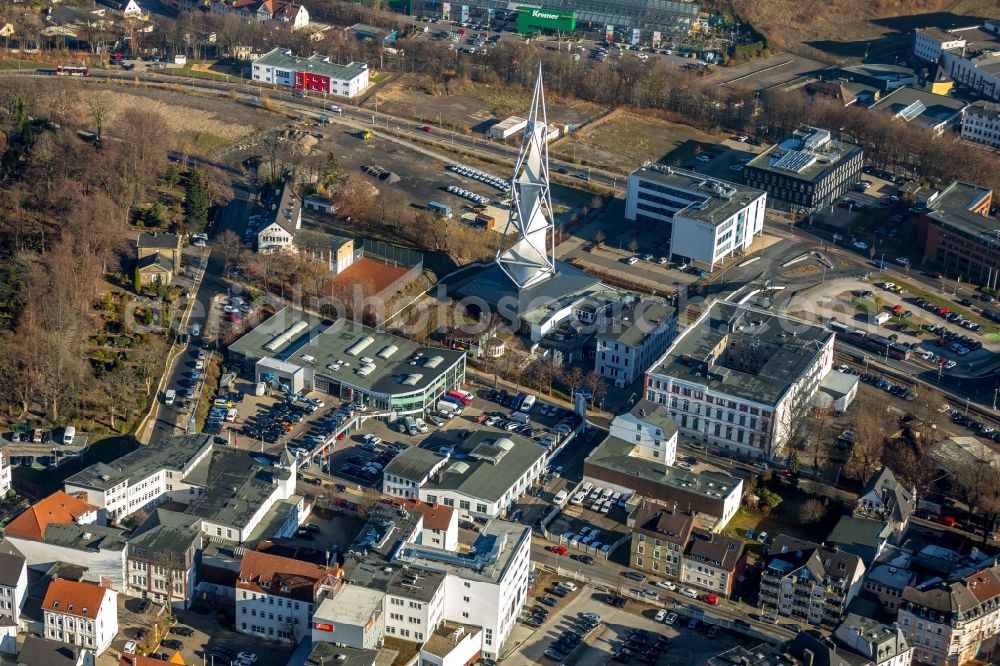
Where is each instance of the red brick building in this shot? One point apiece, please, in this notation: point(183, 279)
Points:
point(958, 233)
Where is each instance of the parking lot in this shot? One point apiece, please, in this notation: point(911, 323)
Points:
point(629, 634)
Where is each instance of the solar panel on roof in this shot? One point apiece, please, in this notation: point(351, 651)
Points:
point(912, 111)
point(795, 160)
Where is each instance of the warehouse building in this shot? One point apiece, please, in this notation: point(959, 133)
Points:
point(306, 352)
point(313, 74)
point(807, 170)
point(708, 219)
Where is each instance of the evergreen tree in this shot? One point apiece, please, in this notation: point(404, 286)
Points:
point(195, 201)
point(333, 174)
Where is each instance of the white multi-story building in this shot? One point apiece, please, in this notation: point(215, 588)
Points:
point(740, 378)
point(930, 43)
point(981, 123)
point(162, 558)
point(13, 587)
point(4, 471)
point(228, 489)
point(650, 429)
point(479, 479)
point(882, 644)
point(486, 587)
point(952, 623)
point(276, 596)
point(630, 336)
point(314, 74)
point(81, 614)
point(709, 219)
point(353, 616)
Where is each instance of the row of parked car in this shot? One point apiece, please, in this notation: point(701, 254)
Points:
point(887, 386)
point(978, 427)
point(642, 646)
point(947, 314)
point(580, 627)
point(481, 176)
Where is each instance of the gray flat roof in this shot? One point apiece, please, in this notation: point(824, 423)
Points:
point(320, 344)
point(329, 654)
point(636, 321)
point(283, 59)
point(414, 463)
point(174, 453)
point(353, 605)
point(984, 109)
point(654, 414)
point(721, 198)
point(471, 473)
point(615, 453)
point(487, 561)
point(235, 485)
point(951, 209)
point(790, 345)
point(494, 287)
point(937, 108)
point(794, 156)
point(85, 537)
point(167, 531)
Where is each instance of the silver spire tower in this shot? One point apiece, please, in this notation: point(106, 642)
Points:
point(531, 259)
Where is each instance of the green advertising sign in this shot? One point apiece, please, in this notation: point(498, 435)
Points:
point(533, 19)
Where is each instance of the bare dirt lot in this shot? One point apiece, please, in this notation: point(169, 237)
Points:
point(200, 124)
point(469, 107)
point(622, 139)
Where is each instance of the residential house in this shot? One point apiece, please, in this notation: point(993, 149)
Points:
point(279, 232)
point(158, 257)
point(5, 473)
point(880, 643)
point(886, 581)
point(81, 614)
point(275, 14)
point(950, 623)
point(13, 588)
point(713, 562)
point(981, 123)
point(62, 528)
point(438, 525)
point(276, 596)
point(315, 74)
point(884, 498)
point(659, 537)
point(808, 582)
point(161, 560)
point(37, 651)
point(649, 427)
point(860, 536)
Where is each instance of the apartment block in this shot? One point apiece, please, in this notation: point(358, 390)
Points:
point(81, 614)
point(659, 537)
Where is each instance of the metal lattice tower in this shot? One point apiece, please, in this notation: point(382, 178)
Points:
point(531, 259)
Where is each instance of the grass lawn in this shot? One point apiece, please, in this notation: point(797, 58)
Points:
point(935, 298)
point(783, 520)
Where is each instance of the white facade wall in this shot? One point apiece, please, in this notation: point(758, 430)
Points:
point(492, 606)
point(12, 598)
point(734, 423)
point(464, 652)
point(5, 473)
point(446, 539)
point(623, 364)
point(273, 616)
point(653, 443)
point(273, 237)
point(981, 127)
point(103, 564)
point(282, 76)
point(412, 619)
point(470, 507)
point(929, 48)
point(968, 73)
point(95, 634)
point(709, 243)
point(700, 574)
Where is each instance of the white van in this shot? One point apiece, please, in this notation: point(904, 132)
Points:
point(69, 432)
point(529, 402)
point(560, 497)
point(587, 487)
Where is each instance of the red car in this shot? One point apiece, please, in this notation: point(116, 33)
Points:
point(427, 128)
point(711, 599)
point(341, 436)
point(559, 550)
point(948, 521)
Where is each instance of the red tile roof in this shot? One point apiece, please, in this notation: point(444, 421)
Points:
point(282, 576)
point(436, 516)
point(984, 585)
point(69, 596)
point(56, 508)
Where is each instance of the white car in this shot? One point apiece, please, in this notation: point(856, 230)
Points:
point(421, 425)
point(371, 439)
point(703, 158)
point(665, 585)
point(199, 365)
point(688, 592)
point(129, 648)
point(670, 619)
point(861, 245)
point(661, 615)
point(247, 657)
point(632, 261)
point(566, 585)
point(902, 261)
